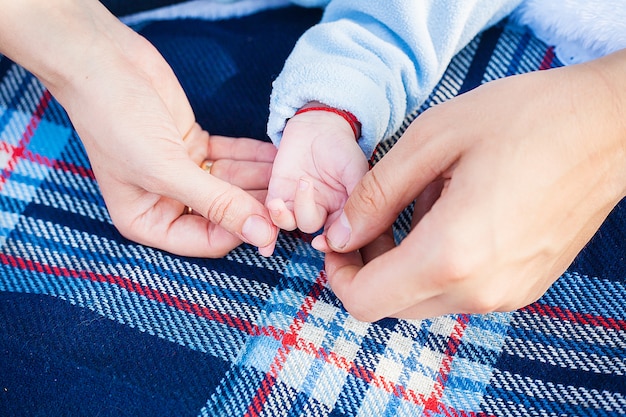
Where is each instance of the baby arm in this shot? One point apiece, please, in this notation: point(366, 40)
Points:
point(318, 164)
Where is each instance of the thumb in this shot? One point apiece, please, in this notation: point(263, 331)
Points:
point(226, 205)
point(388, 188)
point(369, 211)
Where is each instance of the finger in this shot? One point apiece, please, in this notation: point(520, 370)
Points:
point(390, 186)
point(429, 308)
point(281, 215)
point(319, 243)
point(222, 203)
point(245, 149)
point(343, 269)
point(268, 250)
point(248, 175)
point(309, 216)
point(391, 282)
point(342, 266)
point(425, 201)
point(378, 246)
point(165, 228)
point(259, 195)
point(196, 236)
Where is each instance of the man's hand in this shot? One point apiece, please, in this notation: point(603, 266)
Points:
point(510, 181)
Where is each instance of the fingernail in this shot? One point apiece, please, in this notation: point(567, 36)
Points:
point(339, 233)
point(303, 185)
point(267, 251)
point(257, 231)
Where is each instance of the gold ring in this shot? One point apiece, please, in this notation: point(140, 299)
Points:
point(206, 165)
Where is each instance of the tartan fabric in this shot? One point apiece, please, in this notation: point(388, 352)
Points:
point(93, 324)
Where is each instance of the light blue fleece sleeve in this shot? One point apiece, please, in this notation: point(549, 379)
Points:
point(377, 59)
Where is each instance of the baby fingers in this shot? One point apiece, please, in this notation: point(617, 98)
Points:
point(281, 215)
point(310, 217)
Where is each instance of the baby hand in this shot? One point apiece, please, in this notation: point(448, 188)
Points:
point(318, 164)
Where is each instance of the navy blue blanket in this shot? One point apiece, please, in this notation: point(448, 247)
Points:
point(93, 324)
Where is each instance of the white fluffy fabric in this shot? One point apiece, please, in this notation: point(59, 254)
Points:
point(580, 30)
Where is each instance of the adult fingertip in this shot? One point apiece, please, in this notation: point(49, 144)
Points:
point(280, 214)
point(339, 233)
point(267, 251)
point(342, 271)
point(319, 243)
point(258, 231)
point(342, 266)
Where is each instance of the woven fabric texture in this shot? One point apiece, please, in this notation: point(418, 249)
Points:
point(93, 324)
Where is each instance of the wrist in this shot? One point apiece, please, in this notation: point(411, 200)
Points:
point(350, 118)
point(610, 71)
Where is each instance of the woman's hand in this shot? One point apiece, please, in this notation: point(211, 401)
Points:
point(140, 132)
point(510, 181)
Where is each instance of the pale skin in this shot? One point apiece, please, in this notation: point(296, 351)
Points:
point(140, 133)
point(319, 162)
point(510, 181)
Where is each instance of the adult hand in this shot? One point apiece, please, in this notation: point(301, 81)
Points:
point(140, 132)
point(510, 181)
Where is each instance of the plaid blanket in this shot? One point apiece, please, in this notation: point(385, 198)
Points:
point(93, 324)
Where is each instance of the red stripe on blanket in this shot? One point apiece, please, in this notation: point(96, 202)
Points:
point(433, 405)
point(447, 411)
point(72, 168)
point(290, 338)
point(45, 161)
point(17, 152)
point(134, 287)
point(548, 59)
point(289, 341)
point(20, 151)
point(572, 316)
point(59, 164)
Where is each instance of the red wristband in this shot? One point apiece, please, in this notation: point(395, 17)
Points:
point(347, 116)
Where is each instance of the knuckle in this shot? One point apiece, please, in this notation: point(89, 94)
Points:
point(460, 264)
point(223, 207)
point(360, 310)
point(361, 314)
point(131, 231)
point(457, 265)
point(370, 193)
point(463, 265)
point(125, 229)
point(456, 269)
point(482, 301)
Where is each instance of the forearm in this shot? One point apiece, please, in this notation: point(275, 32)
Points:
point(58, 40)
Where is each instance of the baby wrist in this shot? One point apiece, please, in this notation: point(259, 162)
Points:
point(352, 120)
